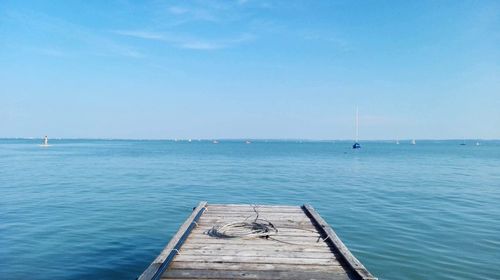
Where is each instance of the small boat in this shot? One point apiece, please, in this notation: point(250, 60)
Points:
point(248, 142)
point(397, 142)
point(413, 142)
point(477, 144)
point(215, 142)
point(356, 145)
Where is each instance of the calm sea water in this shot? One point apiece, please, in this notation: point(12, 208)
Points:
point(89, 209)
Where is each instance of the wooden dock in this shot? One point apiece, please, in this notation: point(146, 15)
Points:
point(304, 247)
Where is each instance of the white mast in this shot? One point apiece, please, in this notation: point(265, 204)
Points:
point(357, 120)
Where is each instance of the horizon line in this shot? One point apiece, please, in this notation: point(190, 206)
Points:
point(249, 139)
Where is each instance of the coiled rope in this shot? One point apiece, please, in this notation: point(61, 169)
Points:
point(258, 228)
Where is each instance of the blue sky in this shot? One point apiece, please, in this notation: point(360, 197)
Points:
point(250, 69)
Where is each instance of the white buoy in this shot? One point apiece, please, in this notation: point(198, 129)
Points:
point(45, 142)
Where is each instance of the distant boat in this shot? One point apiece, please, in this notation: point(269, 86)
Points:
point(413, 142)
point(477, 144)
point(463, 143)
point(215, 142)
point(356, 145)
point(397, 142)
point(248, 142)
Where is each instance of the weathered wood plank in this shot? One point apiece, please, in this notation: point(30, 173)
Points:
point(278, 247)
point(281, 233)
point(250, 211)
point(243, 259)
point(254, 242)
point(262, 253)
point(283, 228)
point(347, 256)
point(264, 275)
point(315, 241)
point(229, 219)
point(155, 265)
point(251, 206)
point(250, 218)
point(230, 213)
point(255, 266)
point(291, 238)
point(280, 224)
point(297, 251)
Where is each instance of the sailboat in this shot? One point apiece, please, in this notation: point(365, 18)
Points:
point(356, 145)
point(397, 142)
point(413, 142)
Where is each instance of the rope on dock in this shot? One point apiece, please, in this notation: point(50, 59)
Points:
point(258, 228)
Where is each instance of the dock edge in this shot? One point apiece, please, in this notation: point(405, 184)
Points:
point(153, 268)
point(330, 236)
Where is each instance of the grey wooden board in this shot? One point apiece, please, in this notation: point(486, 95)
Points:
point(285, 241)
point(251, 253)
point(252, 213)
point(243, 259)
point(269, 247)
point(351, 261)
point(297, 251)
point(290, 238)
point(281, 232)
point(251, 274)
point(251, 206)
point(280, 224)
point(254, 266)
point(294, 227)
point(155, 265)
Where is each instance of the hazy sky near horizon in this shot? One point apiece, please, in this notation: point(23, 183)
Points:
point(250, 69)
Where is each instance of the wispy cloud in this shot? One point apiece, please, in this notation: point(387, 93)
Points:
point(177, 10)
point(209, 11)
point(141, 34)
point(224, 24)
point(186, 14)
point(71, 38)
point(187, 42)
point(201, 45)
point(328, 37)
point(54, 52)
